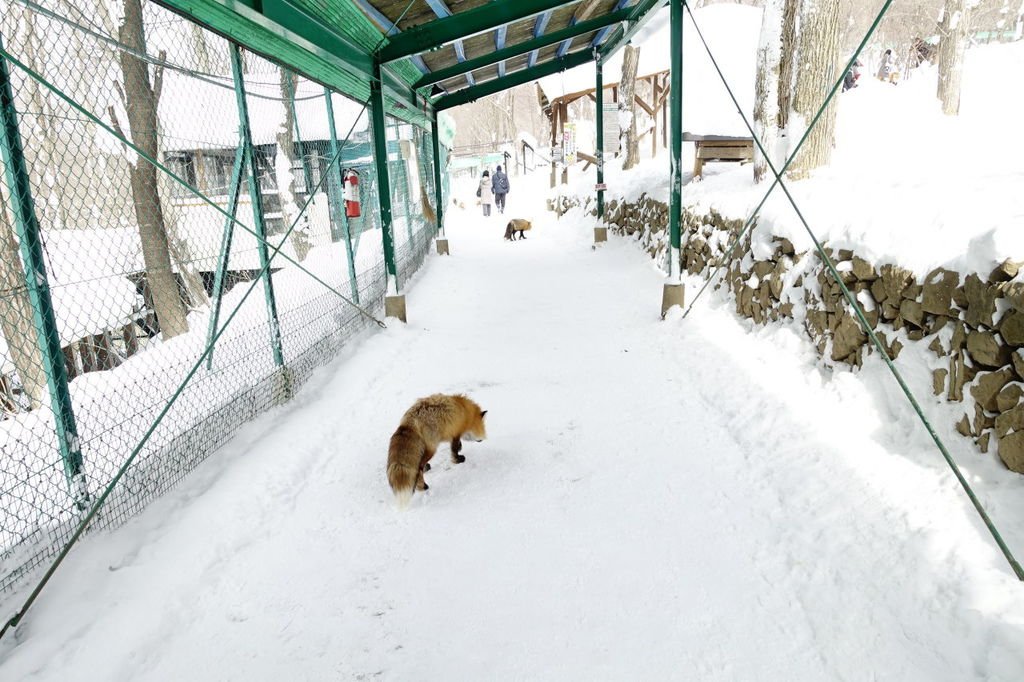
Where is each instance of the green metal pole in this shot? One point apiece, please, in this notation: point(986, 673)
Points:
point(438, 193)
point(380, 157)
point(45, 322)
point(599, 152)
point(257, 205)
point(225, 246)
point(339, 209)
point(298, 137)
point(676, 115)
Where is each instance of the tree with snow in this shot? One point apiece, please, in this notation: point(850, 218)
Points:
point(16, 314)
point(627, 106)
point(140, 98)
point(954, 30)
point(284, 168)
point(795, 70)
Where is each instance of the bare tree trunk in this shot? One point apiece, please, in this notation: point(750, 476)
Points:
point(787, 59)
point(284, 167)
point(42, 142)
point(203, 61)
point(816, 73)
point(766, 86)
point(16, 315)
point(954, 27)
point(627, 105)
point(140, 102)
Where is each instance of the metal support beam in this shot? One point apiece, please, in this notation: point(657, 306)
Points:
point(676, 116)
point(441, 11)
point(603, 33)
point(487, 17)
point(599, 152)
point(295, 37)
point(521, 48)
point(512, 80)
point(337, 202)
point(380, 159)
point(641, 13)
point(539, 27)
point(220, 277)
point(44, 321)
point(255, 196)
point(438, 191)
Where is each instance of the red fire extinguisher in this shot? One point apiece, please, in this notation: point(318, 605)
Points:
point(351, 194)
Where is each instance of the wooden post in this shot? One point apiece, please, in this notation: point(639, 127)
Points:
point(656, 92)
point(131, 341)
point(104, 358)
point(70, 364)
point(88, 357)
point(664, 121)
point(554, 138)
point(565, 166)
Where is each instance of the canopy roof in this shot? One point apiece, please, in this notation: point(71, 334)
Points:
point(431, 54)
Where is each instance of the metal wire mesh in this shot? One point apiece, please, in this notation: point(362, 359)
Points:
point(137, 265)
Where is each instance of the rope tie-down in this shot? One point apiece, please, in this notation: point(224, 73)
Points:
point(850, 298)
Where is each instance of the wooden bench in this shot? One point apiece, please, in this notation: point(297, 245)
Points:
point(719, 148)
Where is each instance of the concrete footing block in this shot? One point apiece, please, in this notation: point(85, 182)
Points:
point(394, 306)
point(672, 294)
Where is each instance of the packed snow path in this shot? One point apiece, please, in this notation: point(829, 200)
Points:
point(656, 500)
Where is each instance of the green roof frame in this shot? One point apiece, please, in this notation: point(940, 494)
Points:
point(290, 34)
point(642, 12)
point(434, 34)
point(296, 33)
point(491, 87)
point(521, 48)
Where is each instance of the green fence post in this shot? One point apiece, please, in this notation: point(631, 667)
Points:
point(27, 227)
point(337, 182)
point(257, 205)
point(220, 277)
point(442, 239)
point(601, 231)
point(673, 291)
point(394, 303)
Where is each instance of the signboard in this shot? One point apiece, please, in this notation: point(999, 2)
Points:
point(611, 127)
point(556, 155)
point(569, 144)
point(600, 186)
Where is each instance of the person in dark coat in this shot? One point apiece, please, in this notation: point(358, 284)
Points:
point(500, 186)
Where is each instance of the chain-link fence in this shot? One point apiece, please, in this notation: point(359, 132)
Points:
point(160, 168)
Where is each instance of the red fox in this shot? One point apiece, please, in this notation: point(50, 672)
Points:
point(517, 225)
point(424, 426)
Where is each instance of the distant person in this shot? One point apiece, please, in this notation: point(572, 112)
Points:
point(500, 185)
point(850, 79)
point(485, 192)
point(886, 70)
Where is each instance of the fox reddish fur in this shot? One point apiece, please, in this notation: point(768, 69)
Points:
point(517, 225)
point(428, 423)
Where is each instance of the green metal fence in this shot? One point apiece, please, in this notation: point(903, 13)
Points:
point(154, 176)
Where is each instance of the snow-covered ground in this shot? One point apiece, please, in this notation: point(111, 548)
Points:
point(656, 500)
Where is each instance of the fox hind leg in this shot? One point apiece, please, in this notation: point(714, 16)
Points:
point(456, 447)
point(424, 466)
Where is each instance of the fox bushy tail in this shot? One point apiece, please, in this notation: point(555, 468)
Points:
point(402, 478)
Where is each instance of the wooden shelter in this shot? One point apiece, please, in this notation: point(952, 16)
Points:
point(557, 112)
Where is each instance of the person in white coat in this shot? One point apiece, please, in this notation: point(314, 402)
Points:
point(485, 192)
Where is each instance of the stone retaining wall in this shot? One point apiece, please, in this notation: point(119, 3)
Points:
point(974, 327)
